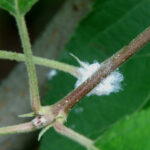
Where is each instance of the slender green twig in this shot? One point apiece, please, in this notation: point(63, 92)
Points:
point(34, 92)
point(42, 61)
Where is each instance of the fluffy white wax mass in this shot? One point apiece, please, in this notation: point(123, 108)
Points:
point(112, 83)
point(51, 74)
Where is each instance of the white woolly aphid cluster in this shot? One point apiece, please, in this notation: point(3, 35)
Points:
point(111, 83)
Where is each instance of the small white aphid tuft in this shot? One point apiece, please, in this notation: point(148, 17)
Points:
point(111, 83)
point(39, 121)
point(51, 74)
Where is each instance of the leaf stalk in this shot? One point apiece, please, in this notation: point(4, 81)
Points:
point(42, 61)
point(34, 91)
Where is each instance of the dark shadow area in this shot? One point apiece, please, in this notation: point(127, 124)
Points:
point(36, 19)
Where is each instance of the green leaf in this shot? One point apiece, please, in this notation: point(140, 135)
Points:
point(17, 6)
point(25, 5)
point(8, 5)
point(132, 133)
point(107, 28)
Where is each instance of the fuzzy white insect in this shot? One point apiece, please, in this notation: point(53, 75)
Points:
point(111, 83)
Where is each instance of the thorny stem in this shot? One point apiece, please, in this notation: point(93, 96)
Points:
point(41, 61)
point(106, 68)
point(34, 91)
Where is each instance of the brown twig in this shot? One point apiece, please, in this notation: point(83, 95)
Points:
point(106, 68)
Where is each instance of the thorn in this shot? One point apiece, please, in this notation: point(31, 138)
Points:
point(43, 131)
point(32, 114)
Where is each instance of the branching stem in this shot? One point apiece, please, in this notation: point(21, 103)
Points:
point(61, 109)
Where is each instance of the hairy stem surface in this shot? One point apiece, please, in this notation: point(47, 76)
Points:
point(34, 91)
point(42, 61)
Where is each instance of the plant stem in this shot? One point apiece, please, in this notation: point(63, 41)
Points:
point(34, 91)
point(42, 61)
point(106, 68)
point(20, 128)
point(82, 140)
